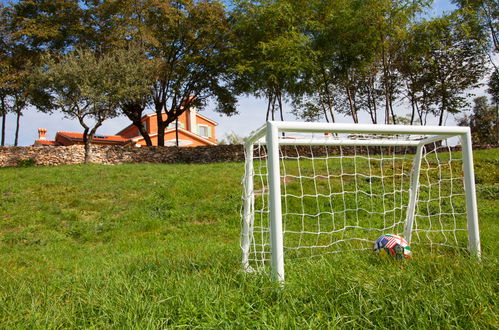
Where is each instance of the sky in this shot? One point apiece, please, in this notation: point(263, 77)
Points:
point(251, 115)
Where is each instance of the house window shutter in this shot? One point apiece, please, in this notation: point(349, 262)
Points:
point(209, 132)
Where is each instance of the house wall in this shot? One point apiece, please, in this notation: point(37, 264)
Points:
point(130, 132)
point(152, 123)
point(171, 136)
point(202, 121)
point(184, 122)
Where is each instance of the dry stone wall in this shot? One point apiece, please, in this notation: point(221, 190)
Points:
point(43, 155)
point(58, 155)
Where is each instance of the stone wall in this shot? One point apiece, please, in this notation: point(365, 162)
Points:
point(43, 155)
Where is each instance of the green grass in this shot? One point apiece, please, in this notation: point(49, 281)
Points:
point(157, 246)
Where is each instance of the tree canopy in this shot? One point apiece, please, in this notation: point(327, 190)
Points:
point(81, 85)
point(356, 58)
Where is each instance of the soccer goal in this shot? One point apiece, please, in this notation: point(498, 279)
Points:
point(316, 188)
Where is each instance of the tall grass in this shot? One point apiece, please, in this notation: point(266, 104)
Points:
point(150, 246)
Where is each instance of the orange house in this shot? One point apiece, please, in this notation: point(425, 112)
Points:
point(193, 130)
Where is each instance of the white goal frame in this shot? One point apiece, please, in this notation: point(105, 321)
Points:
point(269, 134)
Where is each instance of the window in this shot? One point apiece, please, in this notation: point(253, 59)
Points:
point(172, 125)
point(204, 131)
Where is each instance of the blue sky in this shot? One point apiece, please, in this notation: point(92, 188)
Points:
point(251, 114)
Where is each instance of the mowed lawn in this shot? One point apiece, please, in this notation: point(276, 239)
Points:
point(157, 246)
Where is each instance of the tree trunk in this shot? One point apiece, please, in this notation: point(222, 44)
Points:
point(352, 106)
point(412, 96)
point(489, 14)
point(331, 114)
point(4, 115)
point(441, 118)
point(143, 132)
point(87, 152)
point(161, 126)
point(385, 80)
point(279, 100)
point(86, 142)
point(391, 109)
point(3, 128)
point(18, 120)
point(323, 105)
point(89, 137)
point(371, 104)
point(273, 107)
point(176, 132)
point(496, 126)
point(443, 108)
point(328, 96)
point(268, 107)
point(413, 112)
point(134, 111)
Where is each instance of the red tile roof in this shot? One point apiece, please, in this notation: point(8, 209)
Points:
point(97, 137)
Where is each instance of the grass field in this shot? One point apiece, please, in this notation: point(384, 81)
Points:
point(157, 246)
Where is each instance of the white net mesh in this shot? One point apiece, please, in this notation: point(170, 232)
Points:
point(340, 198)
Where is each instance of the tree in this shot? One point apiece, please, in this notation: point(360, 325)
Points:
point(133, 80)
point(483, 122)
point(30, 28)
point(189, 40)
point(232, 138)
point(356, 46)
point(452, 59)
point(487, 12)
point(81, 85)
point(272, 50)
point(14, 82)
point(342, 40)
point(494, 87)
point(414, 71)
point(51, 26)
point(5, 71)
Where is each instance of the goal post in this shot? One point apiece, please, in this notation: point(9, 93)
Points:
point(317, 188)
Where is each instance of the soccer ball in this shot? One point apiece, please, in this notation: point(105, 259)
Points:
point(392, 245)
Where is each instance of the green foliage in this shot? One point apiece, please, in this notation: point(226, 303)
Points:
point(232, 138)
point(454, 60)
point(28, 162)
point(81, 246)
point(272, 49)
point(188, 44)
point(483, 122)
point(494, 87)
point(51, 25)
point(357, 45)
point(486, 13)
point(133, 76)
point(89, 86)
point(326, 57)
point(190, 41)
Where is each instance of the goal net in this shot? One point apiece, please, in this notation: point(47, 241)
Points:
point(313, 188)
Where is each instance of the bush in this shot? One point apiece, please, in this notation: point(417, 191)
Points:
point(27, 162)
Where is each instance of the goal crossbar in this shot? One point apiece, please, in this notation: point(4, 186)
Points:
point(298, 127)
